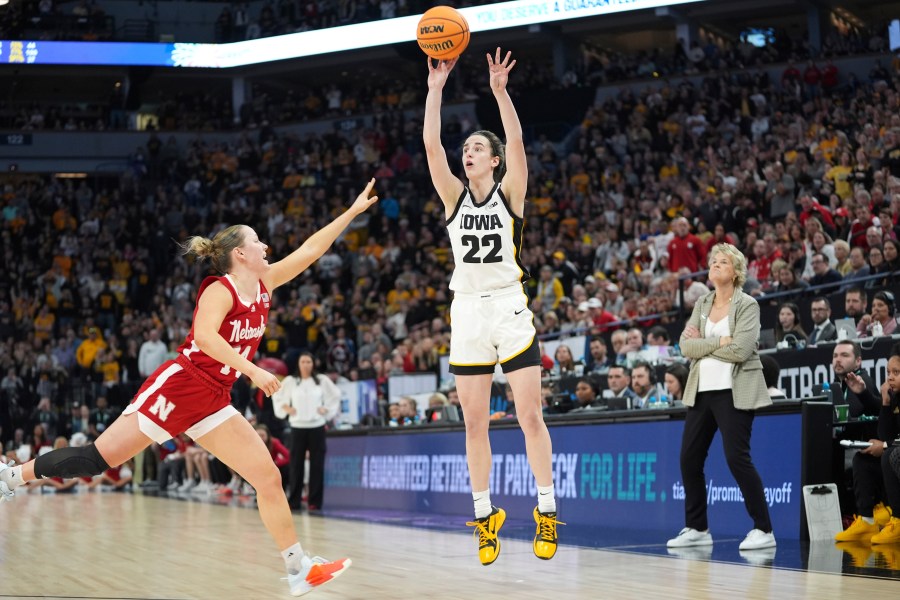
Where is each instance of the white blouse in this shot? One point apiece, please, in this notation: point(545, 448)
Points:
point(306, 397)
point(715, 374)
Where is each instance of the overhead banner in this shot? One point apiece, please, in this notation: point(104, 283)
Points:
point(501, 15)
point(622, 475)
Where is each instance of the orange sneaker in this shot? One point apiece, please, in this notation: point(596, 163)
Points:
point(316, 572)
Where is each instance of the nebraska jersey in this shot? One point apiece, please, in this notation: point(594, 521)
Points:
point(486, 239)
point(243, 328)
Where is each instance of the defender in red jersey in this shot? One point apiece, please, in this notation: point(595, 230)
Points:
point(191, 393)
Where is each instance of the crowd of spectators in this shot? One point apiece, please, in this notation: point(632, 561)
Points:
point(204, 109)
point(628, 201)
point(81, 20)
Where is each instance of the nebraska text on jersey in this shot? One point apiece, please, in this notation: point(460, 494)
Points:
point(243, 328)
point(245, 331)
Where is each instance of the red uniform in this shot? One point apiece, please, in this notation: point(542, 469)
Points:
point(687, 251)
point(192, 393)
point(760, 268)
point(280, 455)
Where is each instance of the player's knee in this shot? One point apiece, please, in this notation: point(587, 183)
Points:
point(530, 420)
point(267, 479)
point(67, 463)
point(477, 426)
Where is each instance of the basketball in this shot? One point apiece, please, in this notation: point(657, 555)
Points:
point(443, 33)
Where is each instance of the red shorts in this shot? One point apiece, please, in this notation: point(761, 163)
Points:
point(179, 398)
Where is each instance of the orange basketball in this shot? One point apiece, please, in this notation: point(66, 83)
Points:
point(443, 33)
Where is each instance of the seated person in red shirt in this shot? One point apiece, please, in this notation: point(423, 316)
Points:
point(117, 477)
point(280, 454)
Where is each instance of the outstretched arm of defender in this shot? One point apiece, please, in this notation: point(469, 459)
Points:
point(318, 243)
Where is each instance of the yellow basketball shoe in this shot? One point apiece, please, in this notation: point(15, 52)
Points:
point(486, 531)
point(859, 531)
point(545, 540)
point(889, 556)
point(890, 534)
point(859, 552)
point(881, 514)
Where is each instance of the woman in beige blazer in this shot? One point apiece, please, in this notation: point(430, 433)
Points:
point(724, 388)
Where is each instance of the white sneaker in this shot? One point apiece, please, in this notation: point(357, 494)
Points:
point(316, 571)
point(6, 490)
point(762, 558)
point(758, 540)
point(692, 552)
point(688, 537)
point(247, 490)
point(204, 487)
point(187, 486)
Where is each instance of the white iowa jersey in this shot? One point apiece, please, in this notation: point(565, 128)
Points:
point(486, 240)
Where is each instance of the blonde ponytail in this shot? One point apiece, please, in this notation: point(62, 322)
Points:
point(218, 249)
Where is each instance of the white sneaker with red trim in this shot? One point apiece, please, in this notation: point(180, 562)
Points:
point(316, 572)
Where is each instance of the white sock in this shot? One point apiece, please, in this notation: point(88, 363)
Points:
point(14, 477)
point(482, 502)
point(869, 520)
point(293, 558)
point(546, 499)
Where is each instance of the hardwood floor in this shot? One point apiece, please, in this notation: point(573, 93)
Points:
point(108, 545)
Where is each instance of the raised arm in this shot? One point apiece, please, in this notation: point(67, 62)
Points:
point(315, 246)
point(515, 182)
point(448, 186)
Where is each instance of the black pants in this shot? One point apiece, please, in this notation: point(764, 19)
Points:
point(711, 411)
point(891, 480)
point(303, 440)
point(868, 482)
point(170, 469)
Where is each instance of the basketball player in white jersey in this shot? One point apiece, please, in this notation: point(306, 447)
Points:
point(489, 317)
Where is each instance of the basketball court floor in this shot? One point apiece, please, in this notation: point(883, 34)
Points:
point(134, 546)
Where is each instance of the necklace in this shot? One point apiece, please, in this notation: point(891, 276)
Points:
point(722, 305)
